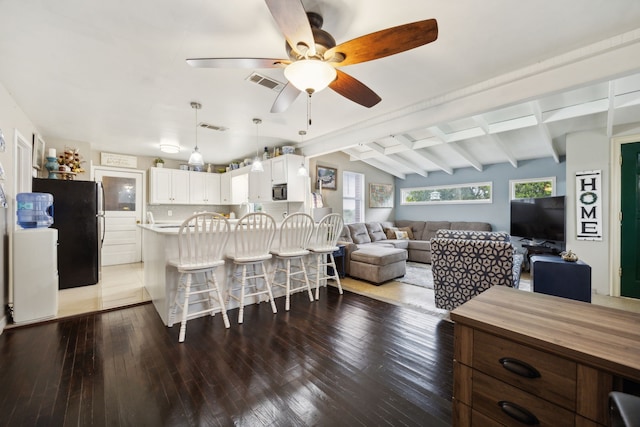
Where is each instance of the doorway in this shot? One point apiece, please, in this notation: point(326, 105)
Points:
point(630, 224)
point(123, 210)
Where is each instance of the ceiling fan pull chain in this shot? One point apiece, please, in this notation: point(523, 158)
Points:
point(308, 111)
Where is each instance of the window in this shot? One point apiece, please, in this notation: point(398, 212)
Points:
point(477, 192)
point(530, 188)
point(352, 197)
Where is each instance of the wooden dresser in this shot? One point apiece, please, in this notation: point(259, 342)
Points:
point(524, 358)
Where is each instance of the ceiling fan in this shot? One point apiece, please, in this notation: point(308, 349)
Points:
point(314, 55)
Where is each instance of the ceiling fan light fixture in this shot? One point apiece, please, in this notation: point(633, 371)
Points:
point(170, 148)
point(195, 159)
point(310, 75)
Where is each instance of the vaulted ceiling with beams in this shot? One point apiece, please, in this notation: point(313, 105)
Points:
point(504, 82)
point(529, 130)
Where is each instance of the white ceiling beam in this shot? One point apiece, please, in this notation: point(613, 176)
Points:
point(513, 124)
point(504, 147)
point(612, 108)
point(480, 120)
point(409, 165)
point(438, 133)
point(579, 110)
point(548, 141)
point(468, 157)
point(376, 164)
point(465, 134)
point(375, 147)
point(437, 163)
point(427, 142)
point(628, 99)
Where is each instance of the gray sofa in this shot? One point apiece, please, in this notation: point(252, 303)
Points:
point(372, 237)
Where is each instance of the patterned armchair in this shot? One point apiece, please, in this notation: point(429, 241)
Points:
point(466, 263)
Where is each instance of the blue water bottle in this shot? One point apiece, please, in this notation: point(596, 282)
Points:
point(35, 210)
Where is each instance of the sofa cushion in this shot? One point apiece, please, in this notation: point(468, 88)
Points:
point(431, 227)
point(473, 226)
point(378, 255)
point(402, 234)
point(390, 232)
point(416, 226)
point(420, 245)
point(402, 244)
point(345, 236)
point(375, 231)
point(359, 233)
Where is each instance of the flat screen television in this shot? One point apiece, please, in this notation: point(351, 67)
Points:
point(540, 219)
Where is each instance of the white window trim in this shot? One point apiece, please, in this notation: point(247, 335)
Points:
point(513, 182)
point(404, 191)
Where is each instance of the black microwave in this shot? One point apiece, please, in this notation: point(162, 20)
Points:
point(279, 192)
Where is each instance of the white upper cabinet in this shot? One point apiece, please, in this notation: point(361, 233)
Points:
point(260, 184)
point(240, 185)
point(168, 186)
point(204, 188)
point(225, 188)
point(284, 170)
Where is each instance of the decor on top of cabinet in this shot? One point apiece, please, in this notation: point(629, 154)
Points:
point(159, 162)
point(70, 161)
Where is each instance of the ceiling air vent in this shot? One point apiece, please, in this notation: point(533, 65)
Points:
point(267, 82)
point(212, 127)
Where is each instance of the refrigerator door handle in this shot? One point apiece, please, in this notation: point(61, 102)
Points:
point(100, 213)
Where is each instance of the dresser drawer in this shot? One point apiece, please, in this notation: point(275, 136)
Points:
point(542, 374)
point(509, 405)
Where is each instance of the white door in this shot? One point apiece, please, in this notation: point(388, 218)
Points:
point(123, 210)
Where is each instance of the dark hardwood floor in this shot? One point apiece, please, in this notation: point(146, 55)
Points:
point(344, 360)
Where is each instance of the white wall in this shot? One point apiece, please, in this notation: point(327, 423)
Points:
point(341, 162)
point(592, 151)
point(11, 118)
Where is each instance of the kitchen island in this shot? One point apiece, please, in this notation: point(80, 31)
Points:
point(159, 245)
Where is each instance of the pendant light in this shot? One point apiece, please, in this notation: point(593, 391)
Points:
point(302, 170)
point(195, 159)
point(256, 166)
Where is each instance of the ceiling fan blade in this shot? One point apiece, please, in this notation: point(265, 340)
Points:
point(238, 62)
point(285, 98)
point(294, 24)
point(354, 90)
point(383, 43)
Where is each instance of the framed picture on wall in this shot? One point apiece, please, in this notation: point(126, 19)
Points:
point(380, 195)
point(326, 178)
point(38, 152)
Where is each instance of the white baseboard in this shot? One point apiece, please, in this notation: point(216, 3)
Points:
point(3, 324)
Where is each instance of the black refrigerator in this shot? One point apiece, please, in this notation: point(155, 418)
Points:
point(78, 217)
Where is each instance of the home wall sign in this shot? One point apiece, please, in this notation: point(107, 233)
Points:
point(118, 160)
point(589, 205)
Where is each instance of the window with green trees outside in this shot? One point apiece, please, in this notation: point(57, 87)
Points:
point(530, 188)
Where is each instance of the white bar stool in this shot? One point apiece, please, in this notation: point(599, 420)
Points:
point(253, 236)
point(323, 244)
point(202, 239)
point(295, 232)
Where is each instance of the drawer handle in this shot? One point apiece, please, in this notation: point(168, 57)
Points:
point(519, 367)
point(518, 413)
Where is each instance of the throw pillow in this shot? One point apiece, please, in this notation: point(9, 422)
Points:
point(402, 235)
point(391, 232)
point(408, 230)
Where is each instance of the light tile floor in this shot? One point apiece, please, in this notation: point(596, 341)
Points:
point(119, 286)
point(122, 285)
